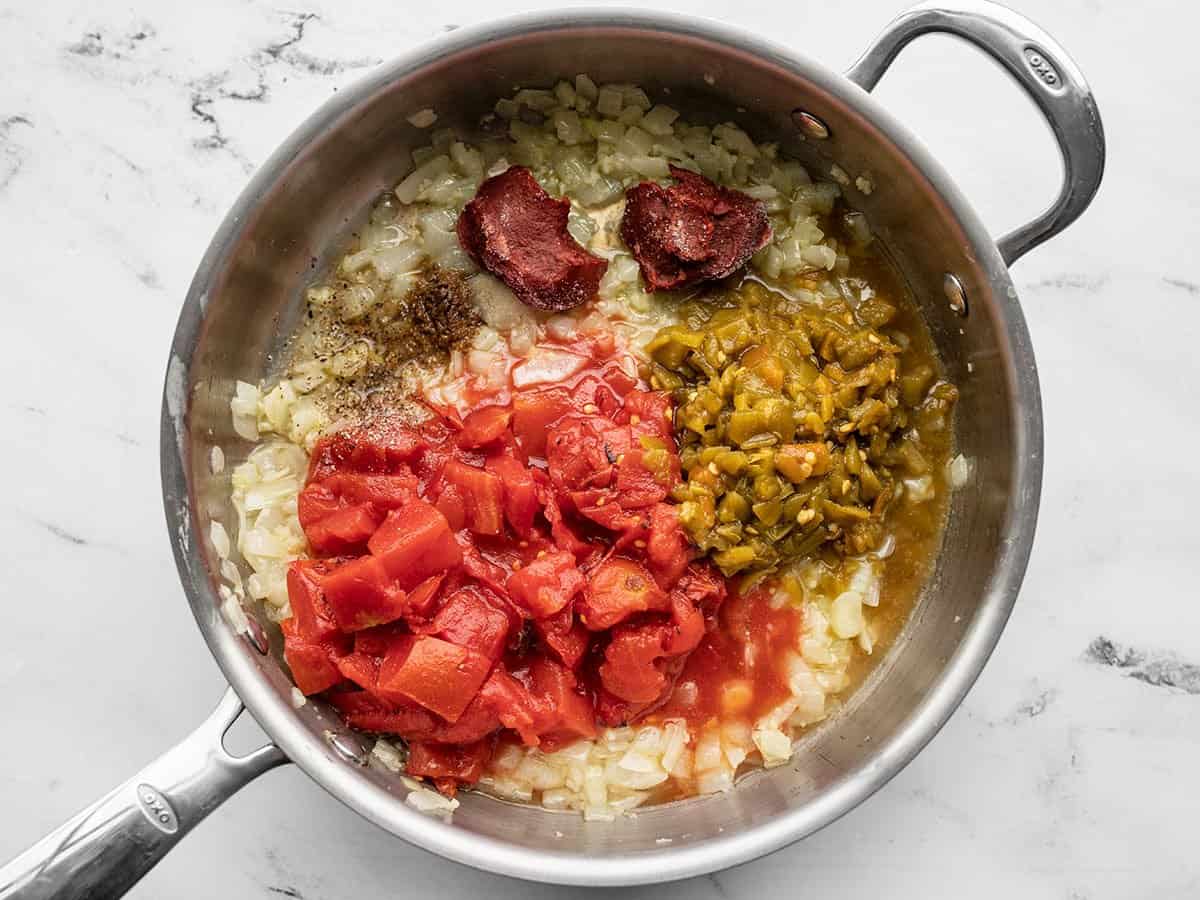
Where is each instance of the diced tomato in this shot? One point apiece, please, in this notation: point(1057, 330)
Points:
point(477, 722)
point(565, 636)
point(637, 485)
point(520, 493)
point(546, 585)
point(410, 720)
point(384, 492)
point(483, 570)
point(482, 494)
point(601, 508)
point(421, 598)
point(313, 616)
point(667, 548)
point(620, 380)
point(469, 620)
point(375, 641)
point(459, 762)
point(441, 676)
point(312, 669)
point(512, 704)
point(361, 593)
point(339, 513)
point(384, 447)
point(617, 589)
point(424, 624)
point(450, 504)
point(703, 586)
point(563, 534)
point(629, 669)
point(343, 531)
point(484, 426)
point(360, 668)
point(365, 710)
point(316, 502)
point(533, 414)
point(648, 413)
point(569, 713)
point(689, 626)
point(599, 393)
point(415, 542)
point(582, 453)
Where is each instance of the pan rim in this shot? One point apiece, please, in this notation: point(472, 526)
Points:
point(275, 714)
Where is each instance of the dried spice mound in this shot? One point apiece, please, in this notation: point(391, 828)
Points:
point(518, 232)
point(441, 311)
point(691, 232)
point(366, 352)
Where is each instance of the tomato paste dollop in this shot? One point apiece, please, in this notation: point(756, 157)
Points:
point(692, 231)
point(517, 572)
point(518, 232)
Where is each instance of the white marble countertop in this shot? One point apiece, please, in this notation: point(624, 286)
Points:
point(126, 130)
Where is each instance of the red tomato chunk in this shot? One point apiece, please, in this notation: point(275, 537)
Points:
point(469, 620)
point(482, 496)
point(362, 593)
point(546, 585)
point(485, 426)
point(518, 575)
point(618, 589)
point(440, 676)
point(456, 762)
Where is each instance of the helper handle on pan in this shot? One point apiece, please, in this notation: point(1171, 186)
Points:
point(1042, 68)
point(103, 851)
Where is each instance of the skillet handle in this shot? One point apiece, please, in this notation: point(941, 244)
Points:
point(105, 849)
point(1043, 69)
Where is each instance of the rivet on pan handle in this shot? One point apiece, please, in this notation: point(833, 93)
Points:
point(105, 849)
point(1048, 76)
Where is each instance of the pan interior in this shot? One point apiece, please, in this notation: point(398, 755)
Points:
point(294, 215)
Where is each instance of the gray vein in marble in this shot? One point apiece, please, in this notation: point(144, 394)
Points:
point(1190, 286)
point(99, 44)
point(1069, 281)
point(1059, 785)
point(298, 22)
point(717, 886)
point(1160, 670)
point(91, 44)
point(59, 532)
point(108, 46)
point(286, 892)
point(1033, 708)
point(201, 105)
point(288, 51)
point(207, 90)
point(127, 439)
point(129, 163)
point(12, 156)
point(149, 278)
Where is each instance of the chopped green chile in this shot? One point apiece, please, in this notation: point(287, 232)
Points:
point(796, 422)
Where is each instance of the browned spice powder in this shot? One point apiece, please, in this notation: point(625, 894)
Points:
point(440, 309)
point(435, 316)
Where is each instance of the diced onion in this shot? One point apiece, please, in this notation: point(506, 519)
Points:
point(422, 118)
point(958, 472)
point(220, 539)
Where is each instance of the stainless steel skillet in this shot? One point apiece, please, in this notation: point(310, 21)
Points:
point(245, 295)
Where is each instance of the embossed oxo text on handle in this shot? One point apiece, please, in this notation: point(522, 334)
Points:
point(1048, 76)
point(104, 850)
